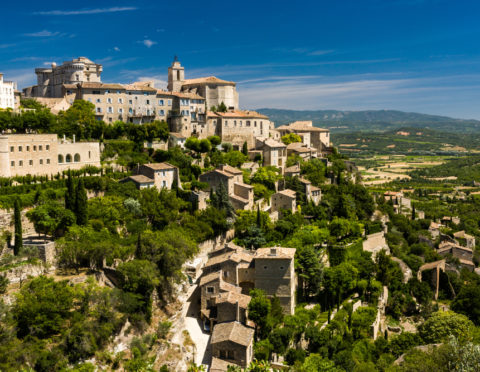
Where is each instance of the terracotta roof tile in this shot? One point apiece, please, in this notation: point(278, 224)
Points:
point(275, 252)
point(207, 80)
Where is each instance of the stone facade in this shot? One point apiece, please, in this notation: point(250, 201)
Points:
point(275, 274)
point(44, 154)
point(318, 138)
point(233, 342)
point(159, 175)
point(285, 199)
point(374, 243)
point(240, 194)
point(274, 153)
point(7, 93)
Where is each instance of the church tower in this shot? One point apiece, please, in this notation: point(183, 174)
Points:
point(176, 76)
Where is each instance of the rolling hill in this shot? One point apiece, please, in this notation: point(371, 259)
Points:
point(372, 120)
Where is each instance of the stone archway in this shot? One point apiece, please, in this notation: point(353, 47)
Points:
point(438, 265)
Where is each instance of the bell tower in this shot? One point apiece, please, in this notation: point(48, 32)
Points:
point(176, 76)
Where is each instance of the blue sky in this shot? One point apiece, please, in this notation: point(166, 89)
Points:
point(411, 55)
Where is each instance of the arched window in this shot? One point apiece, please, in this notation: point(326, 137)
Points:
point(76, 158)
point(60, 159)
point(68, 158)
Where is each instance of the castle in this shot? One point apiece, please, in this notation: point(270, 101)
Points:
point(186, 105)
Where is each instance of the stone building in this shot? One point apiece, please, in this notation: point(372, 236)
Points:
point(239, 126)
point(286, 200)
point(214, 90)
point(303, 151)
point(463, 237)
point(318, 138)
point(274, 153)
point(240, 194)
point(44, 154)
point(7, 93)
point(160, 175)
point(51, 81)
point(275, 274)
point(232, 342)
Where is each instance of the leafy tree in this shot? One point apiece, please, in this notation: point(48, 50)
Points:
point(81, 203)
point(441, 325)
point(17, 217)
point(316, 363)
point(222, 107)
point(467, 302)
point(290, 138)
point(309, 269)
point(51, 218)
point(221, 201)
point(258, 310)
point(140, 277)
point(42, 307)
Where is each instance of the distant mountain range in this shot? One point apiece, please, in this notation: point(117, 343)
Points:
point(371, 120)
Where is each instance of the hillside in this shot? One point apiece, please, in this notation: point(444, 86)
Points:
point(406, 140)
point(372, 120)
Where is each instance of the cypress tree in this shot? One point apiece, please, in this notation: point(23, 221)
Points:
point(81, 203)
point(413, 212)
point(17, 216)
point(245, 148)
point(259, 217)
point(70, 193)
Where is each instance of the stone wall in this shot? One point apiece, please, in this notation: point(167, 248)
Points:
point(374, 243)
point(6, 222)
point(21, 273)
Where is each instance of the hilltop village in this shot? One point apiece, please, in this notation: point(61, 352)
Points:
point(145, 229)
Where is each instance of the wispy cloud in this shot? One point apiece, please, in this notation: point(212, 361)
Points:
point(44, 33)
point(116, 49)
point(320, 52)
point(147, 42)
point(115, 9)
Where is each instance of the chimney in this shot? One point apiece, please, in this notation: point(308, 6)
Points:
point(64, 138)
point(74, 138)
point(237, 317)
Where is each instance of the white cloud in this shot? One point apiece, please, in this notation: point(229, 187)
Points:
point(23, 77)
point(86, 11)
point(148, 43)
point(44, 33)
point(116, 49)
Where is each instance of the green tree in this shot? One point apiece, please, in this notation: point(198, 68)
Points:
point(221, 201)
point(222, 107)
point(258, 311)
point(81, 203)
point(291, 138)
point(42, 307)
point(245, 149)
point(441, 325)
point(70, 193)
point(51, 218)
point(17, 216)
point(467, 302)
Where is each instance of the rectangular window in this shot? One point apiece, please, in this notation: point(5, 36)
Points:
point(47, 147)
point(48, 161)
point(162, 113)
point(210, 289)
point(120, 110)
point(12, 163)
point(164, 183)
point(107, 91)
point(109, 100)
point(28, 148)
point(30, 162)
point(169, 102)
point(160, 102)
point(110, 110)
point(99, 100)
point(99, 109)
point(11, 149)
point(41, 161)
point(20, 148)
point(34, 147)
point(40, 148)
point(130, 102)
point(20, 163)
point(120, 100)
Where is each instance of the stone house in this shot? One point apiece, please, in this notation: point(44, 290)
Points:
point(468, 240)
point(250, 166)
point(176, 139)
point(301, 150)
point(312, 193)
point(232, 342)
point(455, 250)
point(434, 229)
point(315, 137)
point(275, 274)
point(240, 194)
point(285, 199)
point(293, 171)
point(274, 153)
point(163, 175)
